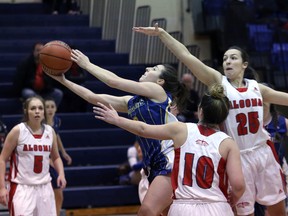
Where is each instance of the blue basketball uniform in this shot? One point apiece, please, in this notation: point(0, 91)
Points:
point(158, 155)
point(279, 129)
point(53, 172)
point(57, 124)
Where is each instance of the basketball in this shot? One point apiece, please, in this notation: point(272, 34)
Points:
point(55, 57)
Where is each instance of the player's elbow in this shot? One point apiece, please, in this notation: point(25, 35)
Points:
point(92, 98)
point(142, 132)
point(238, 189)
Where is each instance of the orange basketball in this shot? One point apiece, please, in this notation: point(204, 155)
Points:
point(55, 57)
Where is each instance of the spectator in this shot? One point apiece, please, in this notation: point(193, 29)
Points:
point(130, 171)
point(29, 146)
point(61, 6)
point(30, 80)
point(190, 113)
point(55, 122)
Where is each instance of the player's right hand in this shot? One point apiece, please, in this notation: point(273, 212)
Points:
point(152, 31)
point(4, 196)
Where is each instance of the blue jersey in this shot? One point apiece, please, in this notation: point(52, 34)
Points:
point(52, 170)
point(57, 124)
point(277, 133)
point(158, 155)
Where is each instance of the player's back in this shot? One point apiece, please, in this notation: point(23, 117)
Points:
point(199, 170)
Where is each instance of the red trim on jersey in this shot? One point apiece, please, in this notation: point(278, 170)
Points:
point(272, 146)
point(13, 187)
point(206, 131)
point(243, 89)
point(223, 177)
point(37, 136)
point(13, 164)
point(175, 171)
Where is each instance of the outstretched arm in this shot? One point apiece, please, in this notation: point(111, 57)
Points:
point(147, 89)
point(176, 131)
point(204, 73)
point(120, 103)
point(273, 96)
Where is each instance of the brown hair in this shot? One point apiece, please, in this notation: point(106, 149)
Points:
point(26, 106)
point(215, 105)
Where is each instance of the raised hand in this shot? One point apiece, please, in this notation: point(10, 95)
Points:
point(4, 196)
point(78, 57)
point(107, 114)
point(67, 158)
point(152, 31)
point(61, 181)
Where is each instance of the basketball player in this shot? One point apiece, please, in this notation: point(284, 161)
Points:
point(203, 155)
point(244, 122)
point(154, 93)
point(55, 122)
point(29, 146)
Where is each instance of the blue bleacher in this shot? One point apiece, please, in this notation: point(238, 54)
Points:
point(22, 20)
point(96, 137)
point(96, 148)
point(100, 196)
point(92, 175)
point(101, 59)
point(260, 37)
point(34, 33)
point(85, 45)
point(20, 8)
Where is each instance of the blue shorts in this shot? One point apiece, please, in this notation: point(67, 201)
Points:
point(54, 176)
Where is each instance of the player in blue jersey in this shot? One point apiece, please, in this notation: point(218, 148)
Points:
point(55, 122)
point(150, 101)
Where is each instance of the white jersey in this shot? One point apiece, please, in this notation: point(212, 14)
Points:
point(29, 163)
point(199, 172)
point(245, 120)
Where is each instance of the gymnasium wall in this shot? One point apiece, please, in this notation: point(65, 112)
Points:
point(176, 12)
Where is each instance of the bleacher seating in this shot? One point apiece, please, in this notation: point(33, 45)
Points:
point(260, 37)
point(96, 147)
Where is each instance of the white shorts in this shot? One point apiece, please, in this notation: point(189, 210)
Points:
point(32, 200)
point(186, 208)
point(143, 186)
point(263, 178)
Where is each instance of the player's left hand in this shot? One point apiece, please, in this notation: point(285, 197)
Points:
point(151, 31)
point(67, 158)
point(81, 59)
point(61, 181)
point(107, 114)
